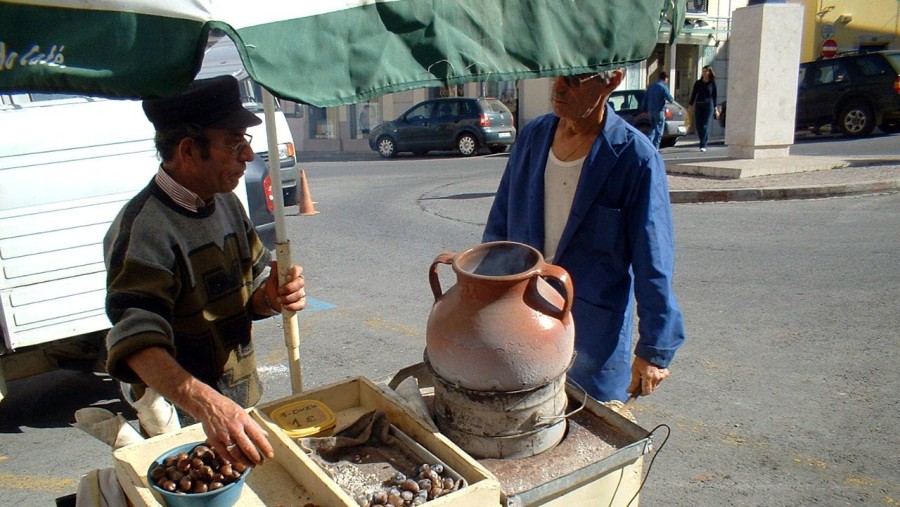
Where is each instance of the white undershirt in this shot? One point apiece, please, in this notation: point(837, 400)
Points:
point(560, 181)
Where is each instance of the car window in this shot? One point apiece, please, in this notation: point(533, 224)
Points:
point(495, 106)
point(831, 72)
point(420, 112)
point(625, 101)
point(448, 109)
point(631, 101)
point(894, 58)
point(616, 101)
point(872, 65)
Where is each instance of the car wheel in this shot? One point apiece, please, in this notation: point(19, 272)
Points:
point(856, 120)
point(467, 145)
point(667, 142)
point(386, 147)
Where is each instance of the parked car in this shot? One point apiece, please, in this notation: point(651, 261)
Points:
point(854, 92)
point(627, 103)
point(464, 124)
point(850, 92)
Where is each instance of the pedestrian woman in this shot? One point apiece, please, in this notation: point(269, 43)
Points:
point(703, 98)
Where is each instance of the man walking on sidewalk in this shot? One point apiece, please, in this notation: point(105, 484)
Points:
point(654, 105)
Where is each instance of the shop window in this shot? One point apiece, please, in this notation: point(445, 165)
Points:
point(321, 126)
point(697, 6)
point(363, 118)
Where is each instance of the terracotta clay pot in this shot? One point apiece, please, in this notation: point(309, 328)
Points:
point(502, 326)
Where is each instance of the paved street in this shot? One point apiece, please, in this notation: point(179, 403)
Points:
point(783, 394)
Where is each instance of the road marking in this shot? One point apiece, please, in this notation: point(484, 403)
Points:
point(316, 305)
point(312, 305)
point(379, 323)
point(812, 462)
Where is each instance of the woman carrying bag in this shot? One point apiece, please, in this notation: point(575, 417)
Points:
point(703, 98)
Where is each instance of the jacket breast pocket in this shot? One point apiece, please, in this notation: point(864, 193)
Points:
point(602, 231)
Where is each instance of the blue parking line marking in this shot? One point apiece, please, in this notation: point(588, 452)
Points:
point(317, 305)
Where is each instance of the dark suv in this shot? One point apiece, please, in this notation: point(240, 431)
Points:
point(464, 124)
point(853, 92)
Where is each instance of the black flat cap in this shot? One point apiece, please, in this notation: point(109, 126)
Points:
point(209, 103)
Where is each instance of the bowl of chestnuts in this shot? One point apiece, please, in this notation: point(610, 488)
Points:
point(193, 475)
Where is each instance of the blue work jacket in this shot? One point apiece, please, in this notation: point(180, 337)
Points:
point(618, 242)
point(655, 98)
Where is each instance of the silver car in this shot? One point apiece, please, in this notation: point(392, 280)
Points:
point(627, 104)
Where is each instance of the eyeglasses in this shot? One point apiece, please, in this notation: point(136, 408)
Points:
point(238, 148)
point(578, 79)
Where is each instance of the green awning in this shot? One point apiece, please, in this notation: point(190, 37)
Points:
point(324, 52)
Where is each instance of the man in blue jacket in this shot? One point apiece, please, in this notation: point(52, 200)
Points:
point(654, 104)
point(590, 192)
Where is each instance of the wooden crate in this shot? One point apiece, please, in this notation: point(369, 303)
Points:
point(351, 399)
point(292, 478)
point(289, 479)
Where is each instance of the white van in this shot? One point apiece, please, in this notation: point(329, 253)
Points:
point(67, 166)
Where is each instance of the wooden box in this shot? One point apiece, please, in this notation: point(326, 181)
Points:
point(351, 399)
point(292, 478)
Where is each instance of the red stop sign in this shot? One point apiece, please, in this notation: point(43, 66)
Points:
point(829, 48)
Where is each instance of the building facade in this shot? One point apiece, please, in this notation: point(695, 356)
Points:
point(849, 25)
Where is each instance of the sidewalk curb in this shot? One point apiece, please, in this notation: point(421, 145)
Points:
point(784, 193)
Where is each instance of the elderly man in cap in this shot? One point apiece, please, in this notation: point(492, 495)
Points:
point(590, 192)
point(187, 273)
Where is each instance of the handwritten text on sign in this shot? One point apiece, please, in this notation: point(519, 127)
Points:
point(9, 58)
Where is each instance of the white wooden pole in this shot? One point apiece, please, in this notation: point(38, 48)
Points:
point(282, 244)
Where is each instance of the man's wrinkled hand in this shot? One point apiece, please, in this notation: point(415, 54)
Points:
point(234, 434)
point(646, 375)
point(291, 295)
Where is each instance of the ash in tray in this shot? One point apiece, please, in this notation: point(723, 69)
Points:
point(376, 465)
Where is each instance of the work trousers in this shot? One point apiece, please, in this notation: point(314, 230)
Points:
point(703, 114)
point(657, 125)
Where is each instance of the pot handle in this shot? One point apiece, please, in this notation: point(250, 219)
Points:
point(562, 276)
point(433, 278)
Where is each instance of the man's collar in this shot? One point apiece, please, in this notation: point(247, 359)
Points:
point(182, 196)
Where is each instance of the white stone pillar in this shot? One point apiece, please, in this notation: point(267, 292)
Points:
point(763, 63)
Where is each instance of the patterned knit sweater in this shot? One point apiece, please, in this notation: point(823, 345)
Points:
point(182, 281)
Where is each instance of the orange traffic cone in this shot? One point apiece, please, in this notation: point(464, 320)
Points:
point(304, 201)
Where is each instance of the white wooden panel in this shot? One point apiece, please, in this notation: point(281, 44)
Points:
point(38, 209)
point(49, 129)
point(44, 312)
point(55, 241)
point(69, 217)
point(77, 178)
point(52, 290)
point(59, 309)
point(52, 262)
point(52, 276)
point(49, 331)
